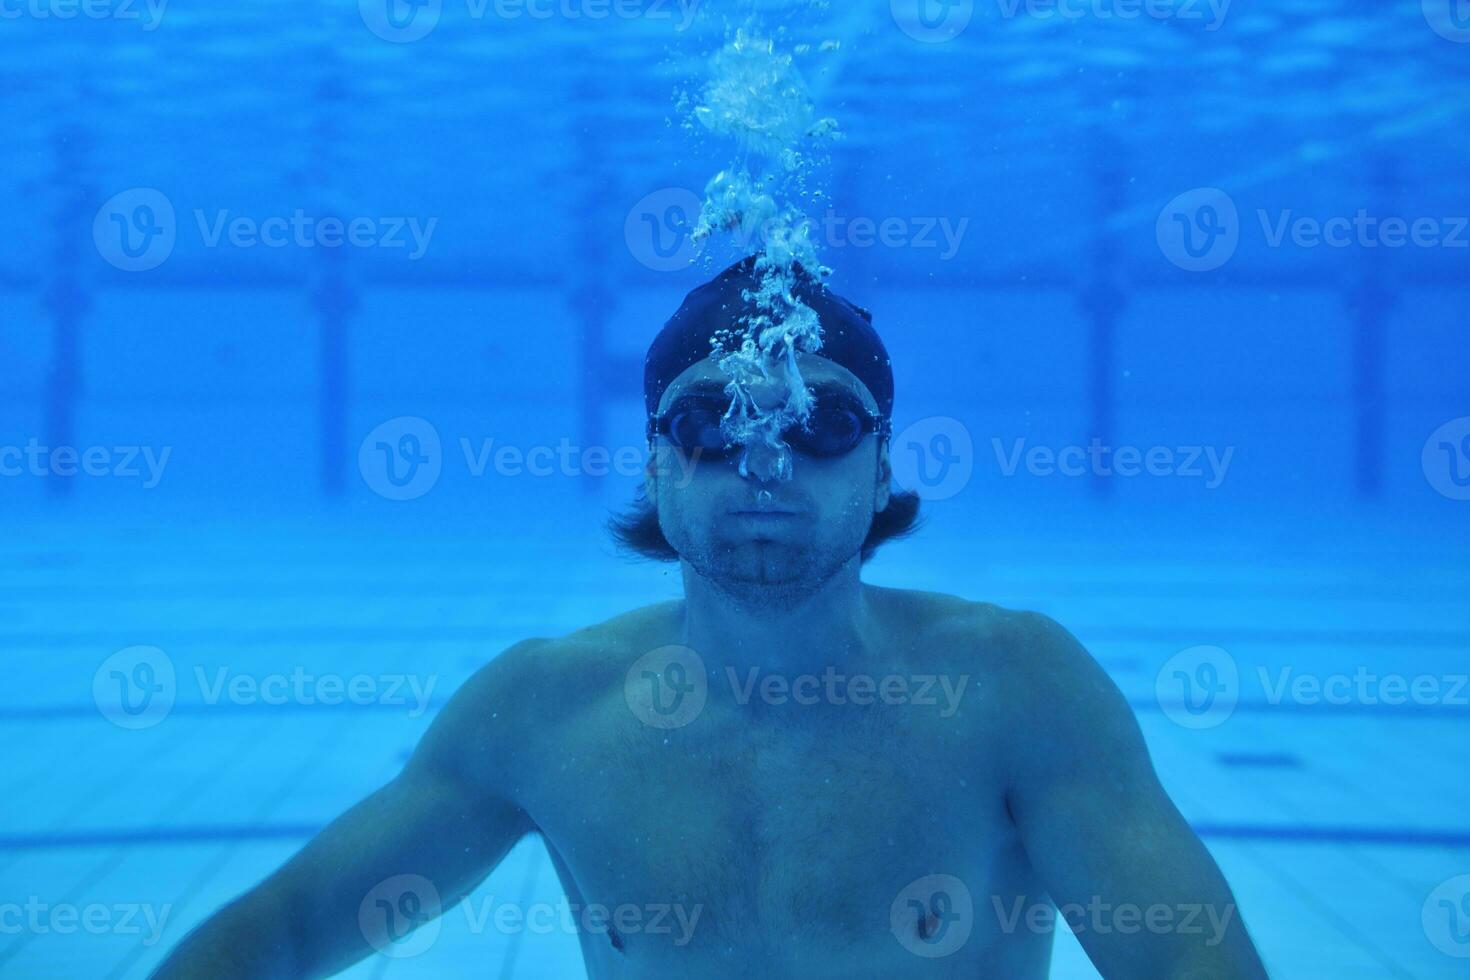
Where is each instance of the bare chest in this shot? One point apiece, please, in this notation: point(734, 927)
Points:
point(784, 830)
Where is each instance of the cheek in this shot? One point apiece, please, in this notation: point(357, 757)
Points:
point(844, 488)
point(672, 474)
point(857, 469)
point(684, 490)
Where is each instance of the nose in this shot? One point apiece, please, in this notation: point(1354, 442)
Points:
point(762, 463)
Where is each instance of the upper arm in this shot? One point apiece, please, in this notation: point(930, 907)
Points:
point(437, 829)
point(1106, 839)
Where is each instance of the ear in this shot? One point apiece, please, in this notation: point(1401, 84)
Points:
point(884, 478)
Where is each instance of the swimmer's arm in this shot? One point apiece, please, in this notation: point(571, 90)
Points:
point(443, 817)
point(1104, 835)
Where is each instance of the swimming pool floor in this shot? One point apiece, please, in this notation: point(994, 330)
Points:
point(1336, 825)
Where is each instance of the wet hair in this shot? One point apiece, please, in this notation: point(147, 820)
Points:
point(637, 531)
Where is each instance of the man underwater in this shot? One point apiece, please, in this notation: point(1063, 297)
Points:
point(788, 772)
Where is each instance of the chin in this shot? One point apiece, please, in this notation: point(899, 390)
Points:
point(764, 568)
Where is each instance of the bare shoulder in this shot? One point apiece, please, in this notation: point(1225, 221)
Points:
point(1059, 703)
point(1044, 701)
point(1032, 658)
point(514, 708)
point(541, 679)
point(976, 628)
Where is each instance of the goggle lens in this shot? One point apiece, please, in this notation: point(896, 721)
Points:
point(834, 428)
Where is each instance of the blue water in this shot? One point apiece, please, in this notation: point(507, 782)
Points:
point(322, 334)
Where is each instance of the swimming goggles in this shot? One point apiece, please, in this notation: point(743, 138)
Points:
point(835, 426)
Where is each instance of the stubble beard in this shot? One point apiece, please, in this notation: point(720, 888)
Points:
point(764, 575)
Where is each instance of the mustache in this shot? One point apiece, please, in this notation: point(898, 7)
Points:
point(753, 501)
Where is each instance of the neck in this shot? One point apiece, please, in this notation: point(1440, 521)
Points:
point(774, 629)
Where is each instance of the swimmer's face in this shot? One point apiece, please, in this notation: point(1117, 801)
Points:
point(812, 524)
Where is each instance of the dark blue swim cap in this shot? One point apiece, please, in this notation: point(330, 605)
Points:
point(848, 337)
